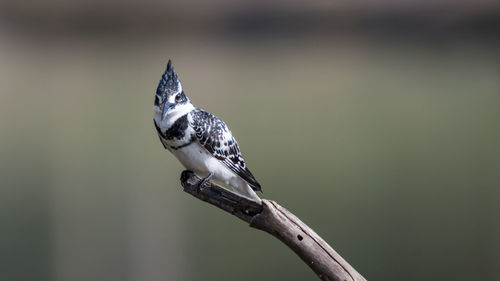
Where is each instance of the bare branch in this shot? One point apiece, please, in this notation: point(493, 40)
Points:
point(279, 222)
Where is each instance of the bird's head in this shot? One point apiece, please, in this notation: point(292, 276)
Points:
point(169, 95)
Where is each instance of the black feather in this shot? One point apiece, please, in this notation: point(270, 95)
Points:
point(169, 82)
point(213, 134)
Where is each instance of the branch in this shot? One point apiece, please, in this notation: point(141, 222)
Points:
point(279, 222)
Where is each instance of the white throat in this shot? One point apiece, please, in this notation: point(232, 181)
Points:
point(172, 115)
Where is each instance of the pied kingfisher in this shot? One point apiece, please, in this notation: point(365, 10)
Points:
point(201, 141)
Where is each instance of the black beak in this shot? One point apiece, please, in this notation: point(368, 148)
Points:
point(166, 106)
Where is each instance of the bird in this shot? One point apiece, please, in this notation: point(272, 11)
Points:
point(198, 139)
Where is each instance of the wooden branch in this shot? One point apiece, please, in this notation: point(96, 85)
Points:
point(272, 218)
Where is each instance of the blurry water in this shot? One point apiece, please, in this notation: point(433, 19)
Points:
point(390, 151)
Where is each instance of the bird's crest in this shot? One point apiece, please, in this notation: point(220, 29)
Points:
point(169, 82)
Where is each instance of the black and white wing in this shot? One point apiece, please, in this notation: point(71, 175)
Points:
point(213, 134)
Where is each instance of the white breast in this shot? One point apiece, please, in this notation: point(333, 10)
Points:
point(197, 159)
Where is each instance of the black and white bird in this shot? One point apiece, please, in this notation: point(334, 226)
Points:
point(201, 141)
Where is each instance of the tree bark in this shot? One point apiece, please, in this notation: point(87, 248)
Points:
point(272, 218)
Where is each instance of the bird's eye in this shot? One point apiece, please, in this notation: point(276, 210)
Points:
point(178, 98)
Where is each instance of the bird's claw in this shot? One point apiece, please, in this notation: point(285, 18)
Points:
point(204, 180)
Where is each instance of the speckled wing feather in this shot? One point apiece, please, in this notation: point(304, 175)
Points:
point(214, 136)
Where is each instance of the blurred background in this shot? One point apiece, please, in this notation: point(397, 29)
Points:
point(375, 122)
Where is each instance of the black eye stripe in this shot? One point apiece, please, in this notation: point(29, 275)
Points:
point(180, 97)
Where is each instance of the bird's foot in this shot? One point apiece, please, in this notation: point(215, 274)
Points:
point(204, 180)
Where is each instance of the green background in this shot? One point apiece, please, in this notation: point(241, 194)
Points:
point(383, 136)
